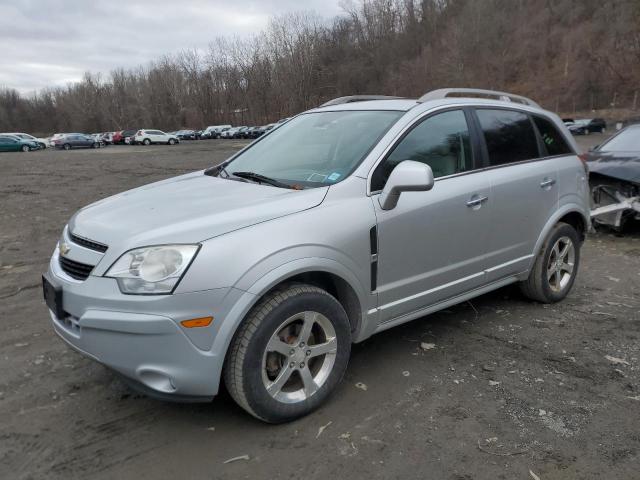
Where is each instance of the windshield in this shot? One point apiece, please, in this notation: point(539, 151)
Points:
point(316, 149)
point(582, 122)
point(626, 141)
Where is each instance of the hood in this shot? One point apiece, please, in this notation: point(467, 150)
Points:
point(187, 209)
point(619, 165)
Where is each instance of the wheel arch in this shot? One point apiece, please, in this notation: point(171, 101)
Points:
point(321, 272)
point(574, 215)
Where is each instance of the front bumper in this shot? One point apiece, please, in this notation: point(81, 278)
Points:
point(141, 337)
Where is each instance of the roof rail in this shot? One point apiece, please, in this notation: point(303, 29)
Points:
point(357, 98)
point(476, 93)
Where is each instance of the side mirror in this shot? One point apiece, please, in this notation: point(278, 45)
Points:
point(408, 176)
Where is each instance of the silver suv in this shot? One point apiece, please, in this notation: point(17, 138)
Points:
point(345, 221)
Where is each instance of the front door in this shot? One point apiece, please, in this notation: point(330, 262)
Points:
point(433, 245)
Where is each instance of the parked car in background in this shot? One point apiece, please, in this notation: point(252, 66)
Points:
point(588, 125)
point(258, 131)
point(253, 132)
point(57, 136)
point(233, 132)
point(186, 134)
point(120, 136)
point(439, 200)
point(214, 131)
point(76, 140)
point(198, 134)
point(107, 137)
point(147, 137)
point(100, 138)
point(10, 143)
point(42, 142)
point(568, 121)
point(240, 132)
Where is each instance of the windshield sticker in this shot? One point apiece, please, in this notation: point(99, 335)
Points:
point(333, 177)
point(316, 177)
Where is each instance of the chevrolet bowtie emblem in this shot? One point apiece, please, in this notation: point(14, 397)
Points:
point(63, 248)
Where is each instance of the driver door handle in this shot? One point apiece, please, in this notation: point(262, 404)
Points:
point(476, 201)
point(547, 183)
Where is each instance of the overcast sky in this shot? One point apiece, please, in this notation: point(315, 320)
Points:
point(53, 42)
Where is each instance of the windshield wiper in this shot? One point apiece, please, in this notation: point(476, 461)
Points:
point(221, 169)
point(263, 179)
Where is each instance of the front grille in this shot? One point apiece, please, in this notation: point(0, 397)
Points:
point(77, 270)
point(90, 244)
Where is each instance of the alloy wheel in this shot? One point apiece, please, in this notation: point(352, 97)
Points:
point(299, 357)
point(560, 264)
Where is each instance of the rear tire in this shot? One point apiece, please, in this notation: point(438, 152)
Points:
point(555, 269)
point(66, 146)
point(146, 141)
point(289, 354)
point(25, 148)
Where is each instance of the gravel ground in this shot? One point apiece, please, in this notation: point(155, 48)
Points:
point(496, 388)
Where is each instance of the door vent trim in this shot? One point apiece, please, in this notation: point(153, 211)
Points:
point(373, 248)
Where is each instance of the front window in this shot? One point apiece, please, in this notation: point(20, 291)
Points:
point(315, 149)
point(441, 141)
point(626, 141)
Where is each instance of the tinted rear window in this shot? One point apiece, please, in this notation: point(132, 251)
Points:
point(553, 140)
point(509, 136)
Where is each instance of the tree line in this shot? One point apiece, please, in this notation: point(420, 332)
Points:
point(569, 55)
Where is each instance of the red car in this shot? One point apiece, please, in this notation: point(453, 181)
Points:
point(118, 137)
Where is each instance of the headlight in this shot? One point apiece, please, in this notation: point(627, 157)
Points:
point(152, 270)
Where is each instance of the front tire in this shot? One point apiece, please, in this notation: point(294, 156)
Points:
point(289, 354)
point(556, 266)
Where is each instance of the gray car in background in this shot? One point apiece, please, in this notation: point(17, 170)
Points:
point(345, 221)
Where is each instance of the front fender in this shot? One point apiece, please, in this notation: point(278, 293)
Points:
point(266, 282)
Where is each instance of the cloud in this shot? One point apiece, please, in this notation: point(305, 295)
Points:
point(53, 42)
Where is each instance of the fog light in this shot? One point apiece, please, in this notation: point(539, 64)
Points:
point(197, 322)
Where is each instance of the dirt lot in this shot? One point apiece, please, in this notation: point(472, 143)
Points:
point(509, 386)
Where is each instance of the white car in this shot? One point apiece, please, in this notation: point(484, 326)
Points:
point(230, 132)
point(25, 136)
point(214, 131)
point(147, 137)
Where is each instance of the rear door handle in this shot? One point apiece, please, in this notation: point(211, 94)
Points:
point(547, 183)
point(476, 201)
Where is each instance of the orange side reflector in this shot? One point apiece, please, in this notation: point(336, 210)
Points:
point(197, 322)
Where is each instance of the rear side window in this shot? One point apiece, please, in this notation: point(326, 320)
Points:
point(553, 140)
point(509, 136)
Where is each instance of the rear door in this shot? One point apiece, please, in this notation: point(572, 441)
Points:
point(524, 191)
point(158, 137)
point(432, 245)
